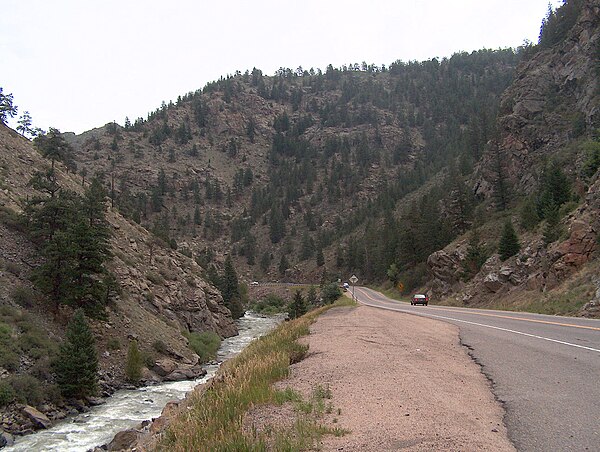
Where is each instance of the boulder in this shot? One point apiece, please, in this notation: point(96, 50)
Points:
point(164, 366)
point(186, 373)
point(123, 440)
point(168, 412)
point(6, 439)
point(38, 418)
point(492, 282)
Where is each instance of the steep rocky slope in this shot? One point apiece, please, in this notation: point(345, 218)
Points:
point(162, 292)
point(550, 112)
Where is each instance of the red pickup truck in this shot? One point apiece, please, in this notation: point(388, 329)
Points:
point(419, 299)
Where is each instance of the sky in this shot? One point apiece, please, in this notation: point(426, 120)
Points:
point(76, 65)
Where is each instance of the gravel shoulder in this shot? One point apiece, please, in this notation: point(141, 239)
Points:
point(398, 381)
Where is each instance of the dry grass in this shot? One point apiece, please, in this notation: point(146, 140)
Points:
point(214, 419)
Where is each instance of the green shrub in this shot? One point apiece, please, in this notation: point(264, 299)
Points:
point(27, 389)
point(9, 358)
point(113, 344)
point(23, 296)
point(330, 292)
point(148, 358)
point(269, 305)
point(567, 207)
point(168, 274)
point(414, 277)
point(42, 368)
point(11, 219)
point(155, 278)
point(7, 393)
point(160, 347)
point(13, 268)
point(186, 252)
point(52, 394)
point(36, 344)
point(134, 364)
point(204, 344)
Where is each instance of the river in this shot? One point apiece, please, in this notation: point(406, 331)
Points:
point(127, 408)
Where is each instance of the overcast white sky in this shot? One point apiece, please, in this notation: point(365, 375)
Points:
point(77, 64)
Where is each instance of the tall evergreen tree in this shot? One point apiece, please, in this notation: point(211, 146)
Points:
point(77, 364)
point(74, 241)
point(297, 306)
point(476, 254)
point(134, 363)
point(283, 264)
point(555, 189)
point(230, 290)
point(509, 242)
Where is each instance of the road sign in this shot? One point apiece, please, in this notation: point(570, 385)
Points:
point(353, 279)
point(400, 287)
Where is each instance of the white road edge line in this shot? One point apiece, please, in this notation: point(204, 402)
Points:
point(485, 326)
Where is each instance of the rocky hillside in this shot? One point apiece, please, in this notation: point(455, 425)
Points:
point(162, 292)
point(550, 113)
point(268, 168)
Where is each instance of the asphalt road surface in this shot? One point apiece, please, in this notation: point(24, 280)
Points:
point(545, 369)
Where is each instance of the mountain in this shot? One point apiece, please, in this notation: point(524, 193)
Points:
point(289, 173)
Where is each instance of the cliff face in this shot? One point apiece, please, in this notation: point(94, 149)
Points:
point(555, 95)
point(550, 109)
point(162, 291)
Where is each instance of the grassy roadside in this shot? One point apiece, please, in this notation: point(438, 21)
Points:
point(214, 418)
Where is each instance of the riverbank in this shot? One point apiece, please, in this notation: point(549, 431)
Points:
point(126, 409)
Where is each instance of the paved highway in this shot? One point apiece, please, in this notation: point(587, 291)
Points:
point(545, 369)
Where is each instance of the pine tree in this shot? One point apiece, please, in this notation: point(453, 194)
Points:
point(476, 254)
point(24, 126)
point(320, 257)
point(509, 242)
point(134, 364)
point(7, 109)
point(311, 296)
point(529, 215)
point(265, 261)
point(52, 145)
point(552, 228)
point(77, 364)
point(297, 306)
point(230, 290)
point(74, 241)
point(283, 264)
point(555, 189)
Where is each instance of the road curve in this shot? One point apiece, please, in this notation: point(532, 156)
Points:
point(545, 369)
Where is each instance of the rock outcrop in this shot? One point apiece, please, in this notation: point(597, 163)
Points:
point(532, 122)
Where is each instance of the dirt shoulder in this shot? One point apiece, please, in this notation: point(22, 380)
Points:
point(398, 381)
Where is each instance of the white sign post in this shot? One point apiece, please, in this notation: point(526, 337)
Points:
point(353, 280)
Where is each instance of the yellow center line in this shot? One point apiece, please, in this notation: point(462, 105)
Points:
point(548, 322)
